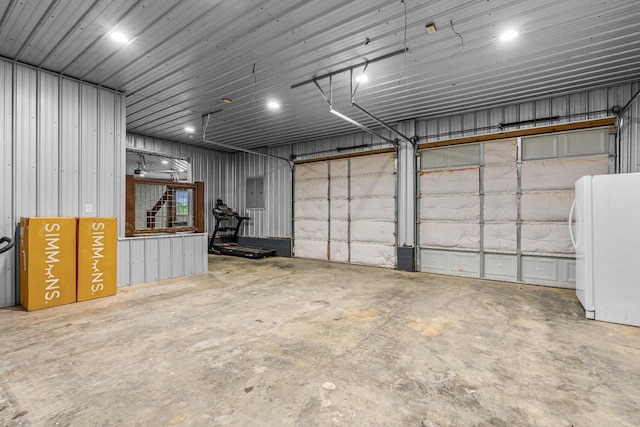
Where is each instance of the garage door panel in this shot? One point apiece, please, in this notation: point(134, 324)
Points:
point(341, 201)
point(339, 209)
point(500, 237)
point(523, 206)
point(373, 185)
point(311, 170)
point(377, 255)
point(313, 249)
point(378, 163)
point(339, 168)
point(546, 207)
point(459, 235)
point(458, 208)
point(501, 179)
point(373, 232)
point(339, 251)
point(560, 174)
point(500, 207)
point(457, 181)
point(376, 208)
point(504, 151)
point(339, 231)
point(339, 188)
point(311, 189)
point(311, 229)
point(546, 238)
point(312, 209)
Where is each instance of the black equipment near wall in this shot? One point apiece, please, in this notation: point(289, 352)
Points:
point(226, 232)
point(5, 244)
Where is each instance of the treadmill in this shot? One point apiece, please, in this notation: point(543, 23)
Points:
point(226, 231)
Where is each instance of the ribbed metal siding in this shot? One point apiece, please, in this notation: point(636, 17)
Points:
point(630, 135)
point(275, 219)
point(585, 105)
point(147, 259)
point(61, 140)
point(7, 260)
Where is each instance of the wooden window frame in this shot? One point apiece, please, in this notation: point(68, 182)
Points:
point(130, 215)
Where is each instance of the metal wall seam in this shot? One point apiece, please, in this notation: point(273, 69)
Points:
point(25, 142)
point(106, 160)
point(89, 151)
point(7, 159)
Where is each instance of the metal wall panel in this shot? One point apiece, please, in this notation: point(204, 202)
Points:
point(25, 142)
point(151, 258)
point(275, 219)
point(164, 247)
point(88, 150)
point(56, 134)
point(7, 260)
point(48, 145)
point(69, 146)
point(629, 133)
point(177, 255)
point(137, 267)
point(406, 191)
point(585, 105)
point(107, 155)
point(124, 262)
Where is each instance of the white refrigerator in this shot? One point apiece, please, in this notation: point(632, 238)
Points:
point(606, 236)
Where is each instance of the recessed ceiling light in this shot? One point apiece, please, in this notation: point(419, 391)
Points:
point(362, 78)
point(273, 105)
point(227, 100)
point(189, 130)
point(165, 162)
point(119, 37)
point(509, 35)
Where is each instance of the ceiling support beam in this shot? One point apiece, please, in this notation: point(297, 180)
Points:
point(342, 70)
point(412, 141)
point(329, 100)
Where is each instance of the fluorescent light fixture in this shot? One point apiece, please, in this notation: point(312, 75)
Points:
point(509, 35)
point(362, 78)
point(119, 37)
point(273, 105)
point(189, 130)
point(165, 162)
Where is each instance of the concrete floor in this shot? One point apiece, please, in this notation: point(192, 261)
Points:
point(286, 342)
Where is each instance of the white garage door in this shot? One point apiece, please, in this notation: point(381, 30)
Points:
point(344, 210)
point(499, 209)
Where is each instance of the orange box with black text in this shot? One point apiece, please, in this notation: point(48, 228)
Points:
point(47, 262)
point(97, 257)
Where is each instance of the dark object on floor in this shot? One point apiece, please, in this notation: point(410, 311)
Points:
point(226, 231)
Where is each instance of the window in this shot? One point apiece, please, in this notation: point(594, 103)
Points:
point(163, 207)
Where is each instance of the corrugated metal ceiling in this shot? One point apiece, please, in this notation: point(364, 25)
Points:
point(185, 56)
